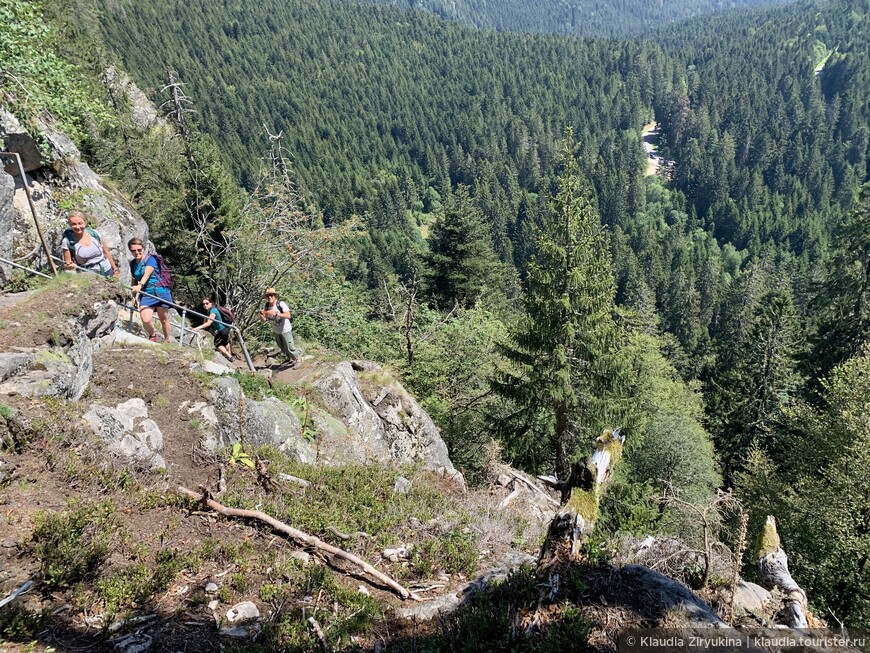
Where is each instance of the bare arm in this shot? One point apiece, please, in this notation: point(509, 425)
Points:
point(115, 272)
point(67, 260)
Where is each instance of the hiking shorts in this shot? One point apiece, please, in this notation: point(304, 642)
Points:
point(146, 301)
point(221, 338)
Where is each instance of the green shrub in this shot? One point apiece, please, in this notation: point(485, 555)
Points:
point(72, 545)
point(453, 553)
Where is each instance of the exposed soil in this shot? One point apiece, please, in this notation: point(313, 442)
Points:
point(34, 320)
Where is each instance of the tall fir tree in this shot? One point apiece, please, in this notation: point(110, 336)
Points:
point(564, 373)
point(462, 265)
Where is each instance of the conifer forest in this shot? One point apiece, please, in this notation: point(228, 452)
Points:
point(547, 218)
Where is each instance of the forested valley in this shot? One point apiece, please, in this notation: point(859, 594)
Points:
point(501, 247)
point(614, 19)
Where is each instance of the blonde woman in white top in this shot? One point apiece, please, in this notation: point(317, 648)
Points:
point(84, 248)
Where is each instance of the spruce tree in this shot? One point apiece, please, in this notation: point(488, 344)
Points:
point(461, 264)
point(563, 372)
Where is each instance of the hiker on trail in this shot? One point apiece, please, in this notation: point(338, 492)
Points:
point(145, 271)
point(221, 332)
point(84, 248)
point(282, 326)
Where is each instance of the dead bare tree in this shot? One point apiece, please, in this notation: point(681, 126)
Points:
point(709, 515)
point(275, 235)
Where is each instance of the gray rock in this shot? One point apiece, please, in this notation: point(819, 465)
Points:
point(210, 367)
point(270, 421)
point(238, 631)
point(101, 321)
point(16, 139)
point(751, 597)
point(134, 643)
point(402, 485)
point(25, 238)
point(301, 556)
point(142, 111)
point(213, 605)
point(128, 432)
point(211, 588)
point(52, 372)
point(14, 363)
point(242, 612)
point(381, 421)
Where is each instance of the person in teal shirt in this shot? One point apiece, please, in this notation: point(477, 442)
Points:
point(216, 325)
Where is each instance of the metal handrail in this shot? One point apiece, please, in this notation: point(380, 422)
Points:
point(24, 267)
point(184, 313)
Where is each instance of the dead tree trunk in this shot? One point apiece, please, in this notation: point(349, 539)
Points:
point(773, 572)
point(575, 520)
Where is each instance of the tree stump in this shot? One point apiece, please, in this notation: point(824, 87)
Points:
point(575, 520)
point(773, 572)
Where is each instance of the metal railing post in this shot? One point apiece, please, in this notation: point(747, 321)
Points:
point(183, 322)
point(17, 158)
point(244, 348)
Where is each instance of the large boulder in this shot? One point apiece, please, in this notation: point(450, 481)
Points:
point(128, 431)
point(49, 372)
point(53, 162)
point(63, 369)
point(270, 421)
point(380, 421)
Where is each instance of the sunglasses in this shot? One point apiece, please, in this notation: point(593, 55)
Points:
point(138, 250)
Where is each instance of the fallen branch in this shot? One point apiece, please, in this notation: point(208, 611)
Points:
point(302, 537)
point(534, 488)
point(318, 633)
point(348, 536)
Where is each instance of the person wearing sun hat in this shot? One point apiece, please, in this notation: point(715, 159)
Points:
point(281, 317)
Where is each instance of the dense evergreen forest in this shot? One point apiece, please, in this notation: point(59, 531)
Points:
point(503, 249)
point(622, 18)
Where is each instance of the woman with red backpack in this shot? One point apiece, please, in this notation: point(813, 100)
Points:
point(146, 272)
point(218, 319)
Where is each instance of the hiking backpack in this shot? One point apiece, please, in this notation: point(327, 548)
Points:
point(227, 316)
point(164, 276)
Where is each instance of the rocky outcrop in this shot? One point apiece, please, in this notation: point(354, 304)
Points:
point(48, 372)
point(64, 368)
point(54, 168)
point(128, 432)
point(7, 222)
point(270, 421)
point(378, 421)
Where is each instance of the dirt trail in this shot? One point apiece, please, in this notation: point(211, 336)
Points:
point(649, 135)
